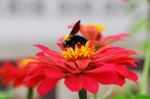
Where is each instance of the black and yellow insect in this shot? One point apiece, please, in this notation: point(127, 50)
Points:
point(73, 38)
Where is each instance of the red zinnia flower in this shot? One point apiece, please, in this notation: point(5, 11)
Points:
point(82, 67)
point(10, 72)
point(81, 63)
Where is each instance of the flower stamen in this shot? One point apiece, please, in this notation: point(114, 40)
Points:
point(79, 52)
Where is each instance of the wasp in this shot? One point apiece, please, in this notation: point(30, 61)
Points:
point(73, 39)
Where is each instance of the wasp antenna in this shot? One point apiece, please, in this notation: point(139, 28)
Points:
point(75, 29)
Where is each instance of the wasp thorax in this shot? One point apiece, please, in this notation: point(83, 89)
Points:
point(73, 41)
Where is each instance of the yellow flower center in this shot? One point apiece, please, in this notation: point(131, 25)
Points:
point(79, 52)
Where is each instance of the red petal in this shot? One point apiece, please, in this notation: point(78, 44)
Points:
point(18, 82)
point(105, 74)
point(10, 73)
point(112, 39)
point(82, 64)
point(127, 61)
point(120, 81)
point(102, 68)
point(53, 74)
point(89, 83)
point(51, 61)
point(71, 65)
point(77, 83)
point(46, 86)
point(73, 83)
point(126, 73)
point(33, 80)
point(49, 51)
point(35, 74)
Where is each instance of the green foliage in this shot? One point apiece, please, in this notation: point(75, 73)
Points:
point(120, 97)
point(139, 25)
point(144, 45)
point(131, 97)
point(142, 97)
point(4, 95)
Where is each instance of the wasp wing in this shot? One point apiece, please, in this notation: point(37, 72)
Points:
point(75, 29)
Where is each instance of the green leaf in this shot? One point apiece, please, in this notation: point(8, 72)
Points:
point(4, 95)
point(142, 97)
point(132, 97)
point(144, 45)
point(95, 96)
point(120, 97)
point(139, 25)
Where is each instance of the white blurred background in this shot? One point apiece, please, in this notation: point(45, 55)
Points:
point(27, 22)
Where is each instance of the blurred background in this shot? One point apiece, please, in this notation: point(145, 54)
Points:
point(27, 22)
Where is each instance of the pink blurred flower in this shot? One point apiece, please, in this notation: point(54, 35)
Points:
point(94, 32)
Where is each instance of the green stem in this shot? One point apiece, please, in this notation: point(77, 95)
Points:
point(144, 83)
point(82, 94)
point(95, 96)
point(30, 93)
point(146, 70)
